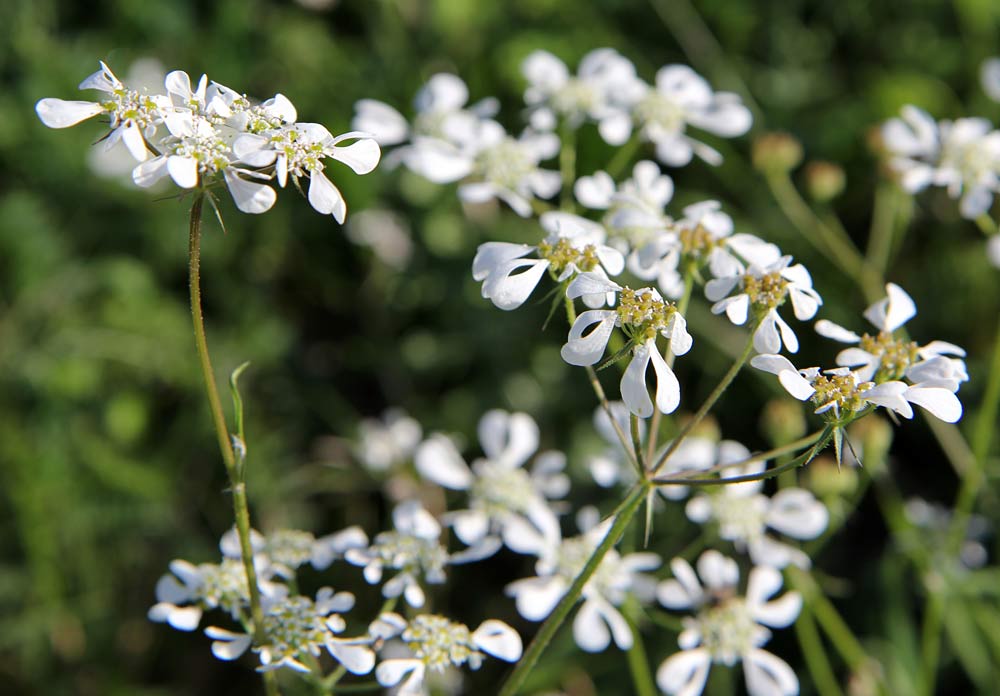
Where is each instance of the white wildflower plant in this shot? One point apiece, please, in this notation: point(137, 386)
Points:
point(204, 136)
point(726, 627)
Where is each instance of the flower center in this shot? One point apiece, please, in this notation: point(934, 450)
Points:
point(696, 242)
point(563, 254)
point(206, 148)
point(575, 98)
point(224, 585)
point(740, 518)
point(129, 105)
point(973, 161)
point(290, 547)
point(659, 113)
point(439, 642)
point(507, 164)
point(842, 392)
point(499, 490)
point(292, 626)
point(643, 313)
point(766, 291)
point(302, 155)
point(573, 556)
point(727, 629)
point(410, 553)
point(894, 355)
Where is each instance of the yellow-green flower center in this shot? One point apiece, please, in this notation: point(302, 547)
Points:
point(562, 254)
point(439, 642)
point(843, 390)
point(292, 626)
point(767, 291)
point(643, 313)
point(894, 355)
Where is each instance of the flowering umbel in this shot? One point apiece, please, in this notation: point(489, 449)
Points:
point(204, 136)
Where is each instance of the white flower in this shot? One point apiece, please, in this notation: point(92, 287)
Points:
point(294, 627)
point(611, 466)
point(286, 550)
point(682, 98)
point(761, 291)
point(414, 549)
point(560, 562)
point(299, 150)
point(134, 116)
point(635, 210)
point(696, 453)
point(913, 143)
point(727, 627)
point(501, 492)
point(743, 514)
point(205, 586)
point(841, 392)
point(885, 357)
point(643, 315)
point(436, 643)
point(593, 94)
point(386, 233)
point(574, 245)
point(387, 442)
point(508, 168)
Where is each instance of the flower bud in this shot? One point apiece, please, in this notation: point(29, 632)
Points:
point(827, 480)
point(824, 181)
point(782, 421)
point(875, 437)
point(776, 153)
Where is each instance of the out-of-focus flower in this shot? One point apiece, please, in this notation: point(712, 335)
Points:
point(387, 442)
point(386, 233)
point(727, 628)
point(436, 643)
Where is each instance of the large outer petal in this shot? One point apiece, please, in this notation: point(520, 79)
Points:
point(249, 196)
point(768, 675)
point(586, 350)
point(326, 198)
point(684, 673)
point(438, 460)
point(59, 113)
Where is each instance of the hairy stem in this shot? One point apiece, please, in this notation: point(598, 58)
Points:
point(548, 630)
point(241, 510)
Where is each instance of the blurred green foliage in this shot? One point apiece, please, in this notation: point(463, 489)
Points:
point(107, 458)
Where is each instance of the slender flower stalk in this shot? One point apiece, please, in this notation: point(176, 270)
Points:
point(707, 406)
point(548, 630)
point(234, 468)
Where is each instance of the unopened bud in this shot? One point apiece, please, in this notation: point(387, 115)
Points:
point(874, 434)
point(776, 153)
point(826, 479)
point(824, 181)
point(782, 421)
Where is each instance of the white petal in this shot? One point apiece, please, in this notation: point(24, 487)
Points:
point(590, 284)
point(717, 571)
point(668, 389)
point(940, 402)
point(470, 525)
point(797, 513)
point(508, 289)
point(410, 517)
point(250, 196)
point(59, 113)
point(499, 640)
point(768, 675)
point(827, 329)
point(228, 645)
point(589, 630)
point(361, 156)
point(989, 78)
point(136, 144)
point(684, 673)
point(595, 191)
point(805, 302)
point(381, 120)
point(438, 460)
point(736, 308)
point(891, 396)
point(325, 197)
point(391, 672)
point(766, 338)
point(535, 598)
point(357, 658)
point(634, 392)
point(508, 437)
point(443, 92)
point(586, 350)
point(149, 172)
point(183, 170)
point(492, 255)
point(780, 612)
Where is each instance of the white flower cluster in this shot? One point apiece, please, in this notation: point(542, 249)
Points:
point(200, 136)
point(885, 369)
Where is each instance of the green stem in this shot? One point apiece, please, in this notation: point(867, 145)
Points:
point(930, 642)
point(816, 660)
point(638, 664)
point(833, 625)
point(801, 460)
point(756, 457)
point(548, 630)
point(707, 405)
point(637, 441)
point(882, 228)
point(240, 508)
